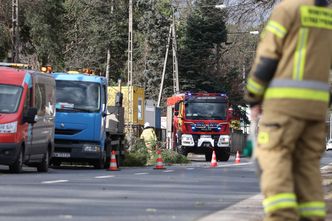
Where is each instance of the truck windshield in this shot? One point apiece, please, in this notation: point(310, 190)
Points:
point(77, 96)
point(10, 97)
point(205, 111)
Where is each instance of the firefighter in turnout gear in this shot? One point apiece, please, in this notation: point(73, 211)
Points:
point(149, 137)
point(288, 84)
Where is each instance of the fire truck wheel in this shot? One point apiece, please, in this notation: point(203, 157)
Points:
point(182, 150)
point(208, 156)
point(223, 155)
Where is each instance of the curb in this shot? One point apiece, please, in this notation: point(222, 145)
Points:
point(251, 209)
point(247, 210)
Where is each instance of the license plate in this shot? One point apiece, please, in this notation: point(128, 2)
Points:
point(205, 136)
point(63, 155)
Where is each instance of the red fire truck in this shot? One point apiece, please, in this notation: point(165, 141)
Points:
point(200, 123)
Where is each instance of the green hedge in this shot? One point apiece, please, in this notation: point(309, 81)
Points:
point(138, 156)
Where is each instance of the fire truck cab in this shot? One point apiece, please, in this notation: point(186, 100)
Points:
point(199, 123)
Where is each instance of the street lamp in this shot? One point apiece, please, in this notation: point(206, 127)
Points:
point(222, 6)
point(254, 32)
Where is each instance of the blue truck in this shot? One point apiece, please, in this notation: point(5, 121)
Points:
point(81, 134)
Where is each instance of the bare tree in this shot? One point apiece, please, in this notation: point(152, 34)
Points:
point(249, 11)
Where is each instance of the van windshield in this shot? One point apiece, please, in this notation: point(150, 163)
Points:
point(77, 96)
point(9, 98)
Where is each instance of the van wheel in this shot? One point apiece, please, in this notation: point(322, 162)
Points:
point(16, 167)
point(43, 166)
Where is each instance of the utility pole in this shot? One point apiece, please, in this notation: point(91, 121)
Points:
point(130, 72)
point(164, 68)
point(108, 62)
point(108, 59)
point(176, 87)
point(15, 32)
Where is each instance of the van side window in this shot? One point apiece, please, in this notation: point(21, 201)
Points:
point(27, 102)
point(40, 94)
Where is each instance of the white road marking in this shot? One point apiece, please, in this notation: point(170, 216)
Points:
point(151, 210)
point(104, 177)
point(54, 181)
point(141, 173)
point(190, 168)
point(237, 164)
point(168, 171)
point(65, 216)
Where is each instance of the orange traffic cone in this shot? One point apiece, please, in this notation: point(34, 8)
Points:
point(160, 163)
point(113, 164)
point(237, 159)
point(214, 160)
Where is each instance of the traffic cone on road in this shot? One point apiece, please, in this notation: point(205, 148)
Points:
point(113, 164)
point(237, 158)
point(214, 160)
point(160, 162)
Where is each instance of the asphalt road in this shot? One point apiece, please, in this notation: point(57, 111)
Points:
point(181, 192)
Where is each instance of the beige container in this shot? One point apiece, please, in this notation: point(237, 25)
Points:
point(137, 116)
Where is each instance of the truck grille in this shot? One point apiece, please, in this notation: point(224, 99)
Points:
point(62, 149)
point(66, 132)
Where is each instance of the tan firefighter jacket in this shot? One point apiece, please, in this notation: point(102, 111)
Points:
point(148, 135)
point(294, 56)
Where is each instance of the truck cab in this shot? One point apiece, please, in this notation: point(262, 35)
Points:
point(80, 134)
point(200, 123)
point(27, 114)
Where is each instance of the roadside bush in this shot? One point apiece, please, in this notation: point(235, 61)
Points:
point(135, 159)
point(139, 156)
point(170, 157)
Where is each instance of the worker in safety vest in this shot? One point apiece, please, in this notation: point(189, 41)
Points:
point(149, 137)
point(288, 84)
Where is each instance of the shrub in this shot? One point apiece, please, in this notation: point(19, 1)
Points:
point(138, 156)
point(133, 159)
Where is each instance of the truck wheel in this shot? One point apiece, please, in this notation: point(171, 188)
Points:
point(223, 155)
point(100, 164)
point(182, 150)
point(56, 163)
point(43, 166)
point(16, 167)
point(208, 156)
point(107, 162)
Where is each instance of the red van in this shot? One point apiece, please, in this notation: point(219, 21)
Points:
point(26, 119)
